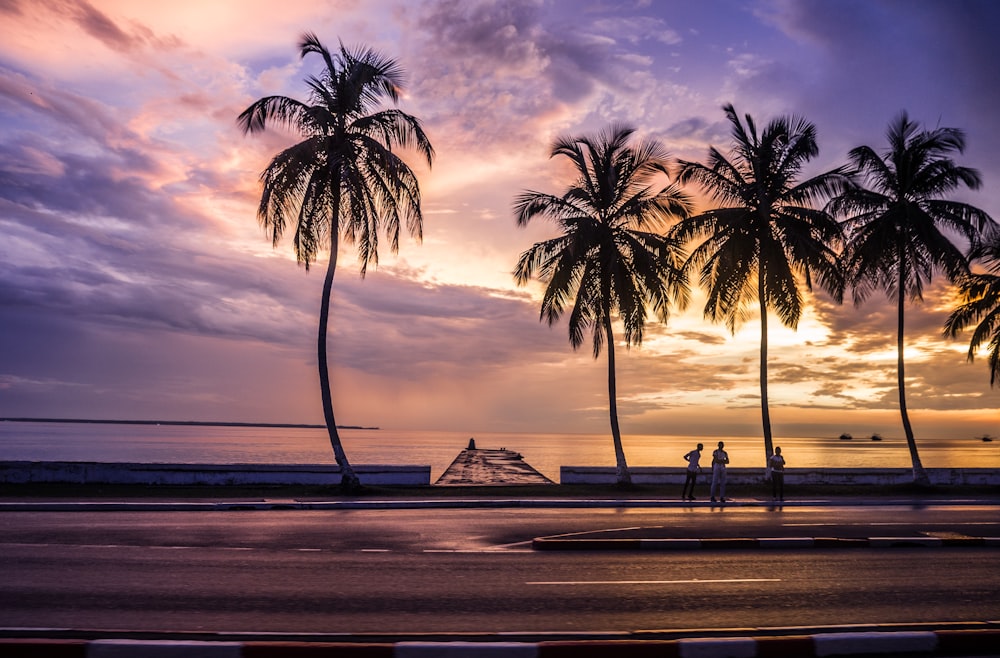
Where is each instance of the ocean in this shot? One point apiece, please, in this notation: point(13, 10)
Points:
point(98, 442)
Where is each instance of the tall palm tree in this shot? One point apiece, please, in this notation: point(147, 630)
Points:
point(766, 240)
point(898, 226)
point(979, 297)
point(343, 179)
point(608, 260)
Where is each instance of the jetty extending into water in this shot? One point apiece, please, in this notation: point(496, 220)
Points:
point(482, 467)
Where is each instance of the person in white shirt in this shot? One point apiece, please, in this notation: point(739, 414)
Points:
point(777, 464)
point(719, 460)
point(693, 469)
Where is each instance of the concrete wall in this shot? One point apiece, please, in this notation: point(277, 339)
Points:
point(22, 472)
point(793, 476)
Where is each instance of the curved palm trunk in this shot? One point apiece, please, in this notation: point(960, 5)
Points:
point(765, 412)
point(624, 478)
point(919, 474)
point(348, 479)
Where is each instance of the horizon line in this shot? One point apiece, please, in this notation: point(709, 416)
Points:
point(202, 423)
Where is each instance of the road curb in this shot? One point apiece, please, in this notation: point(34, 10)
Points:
point(910, 643)
point(138, 505)
point(637, 544)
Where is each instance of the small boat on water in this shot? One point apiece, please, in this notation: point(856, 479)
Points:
point(876, 437)
point(986, 438)
point(846, 437)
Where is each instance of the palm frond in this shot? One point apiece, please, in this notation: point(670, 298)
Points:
point(606, 261)
point(345, 177)
point(979, 304)
point(280, 109)
point(767, 218)
point(902, 213)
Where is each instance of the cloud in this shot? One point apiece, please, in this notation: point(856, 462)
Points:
point(134, 278)
point(866, 78)
point(516, 70)
point(98, 25)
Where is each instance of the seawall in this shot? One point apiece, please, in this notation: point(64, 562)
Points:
point(23, 472)
point(793, 476)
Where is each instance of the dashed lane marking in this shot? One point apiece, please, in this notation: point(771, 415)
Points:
point(695, 581)
point(888, 523)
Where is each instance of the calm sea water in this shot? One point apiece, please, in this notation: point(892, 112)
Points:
point(546, 452)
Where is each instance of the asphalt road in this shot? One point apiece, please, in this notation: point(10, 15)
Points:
point(472, 571)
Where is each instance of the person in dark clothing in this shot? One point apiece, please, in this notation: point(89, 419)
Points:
point(777, 464)
point(692, 472)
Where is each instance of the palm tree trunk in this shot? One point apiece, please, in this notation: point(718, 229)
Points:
point(919, 474)
point(765, 412)
point(348, 479)
point(622, 474)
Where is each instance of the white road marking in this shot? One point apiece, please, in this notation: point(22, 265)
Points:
point(588, 532)
point(475, 550)
point(696, 581)
point(500, 547)
point(890, 523)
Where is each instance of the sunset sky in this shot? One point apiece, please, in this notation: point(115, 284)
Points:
point(135, 281)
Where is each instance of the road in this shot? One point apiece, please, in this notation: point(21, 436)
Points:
point(473, 571)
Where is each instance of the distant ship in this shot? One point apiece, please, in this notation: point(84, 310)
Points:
point(846, 437)
point(876, 437)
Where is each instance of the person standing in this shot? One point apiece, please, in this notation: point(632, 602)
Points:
point(719, 460)
point(693, 469)
point(777, 464)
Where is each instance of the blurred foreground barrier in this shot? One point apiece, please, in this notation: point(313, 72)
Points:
point(909, 643)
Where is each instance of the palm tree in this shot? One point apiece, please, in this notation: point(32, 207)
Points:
point(979, 297)
point(343, 178)
point(765, 241)
point(898, 226)
point(607, 261)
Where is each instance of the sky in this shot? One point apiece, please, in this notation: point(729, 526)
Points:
point(136, 282)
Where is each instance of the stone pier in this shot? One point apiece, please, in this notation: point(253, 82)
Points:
point(483, 467)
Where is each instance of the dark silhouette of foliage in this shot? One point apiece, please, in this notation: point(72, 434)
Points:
point(766, 240)
point(979, 302)
point(608, 260)
point(343, 179)
point(898, 226)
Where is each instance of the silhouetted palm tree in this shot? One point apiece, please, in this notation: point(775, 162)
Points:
point(343, 178)
point(898, 226)
point(607, 261)
point(979, 297)
point(766, 240)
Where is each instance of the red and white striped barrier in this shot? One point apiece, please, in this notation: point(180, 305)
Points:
point(912, 643)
